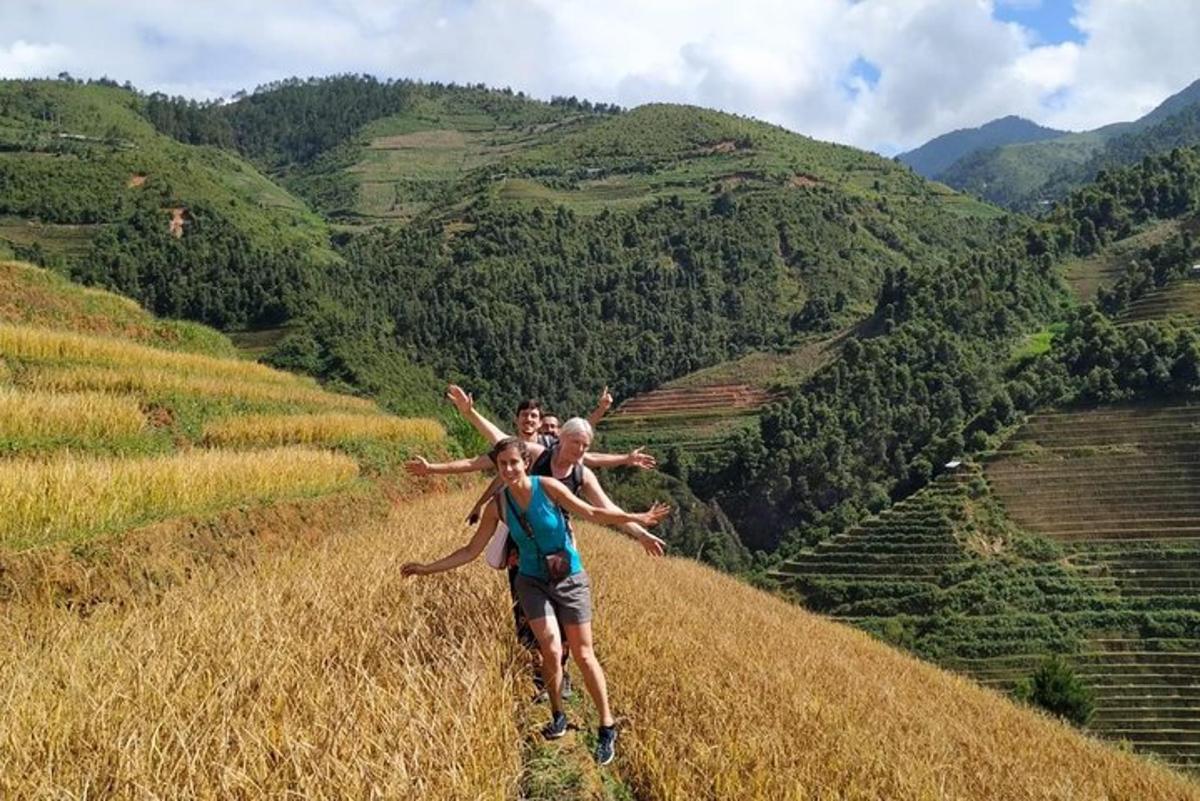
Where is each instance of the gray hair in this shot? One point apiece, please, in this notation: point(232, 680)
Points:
point(576, 426)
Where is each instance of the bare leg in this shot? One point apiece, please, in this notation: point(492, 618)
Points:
point(579, 635)
point(550, 644)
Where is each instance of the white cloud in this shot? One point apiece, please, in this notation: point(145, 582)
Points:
point(23, 59)
point(943, 64)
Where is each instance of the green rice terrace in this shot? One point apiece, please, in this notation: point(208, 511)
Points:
point(1176, 299)
point(1080, 537)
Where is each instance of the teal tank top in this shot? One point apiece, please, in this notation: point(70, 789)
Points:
point(549, 531)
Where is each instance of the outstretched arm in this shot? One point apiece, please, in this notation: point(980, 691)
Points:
point(463, 555)
point(611, 517)
point(466, 407)
point(596, 496)
point(602, 406)
point(418, 466)
point(635, 458)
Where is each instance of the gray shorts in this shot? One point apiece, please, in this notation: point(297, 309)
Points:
point(570, 599)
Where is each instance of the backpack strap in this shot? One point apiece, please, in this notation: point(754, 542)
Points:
point(522, 521)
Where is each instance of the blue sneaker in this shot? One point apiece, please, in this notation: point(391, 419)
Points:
point(557, 726)
point(606, 744)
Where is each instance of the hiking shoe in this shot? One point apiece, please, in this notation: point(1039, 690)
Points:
point(557, 726)
point(567, 691)
point(606, 744)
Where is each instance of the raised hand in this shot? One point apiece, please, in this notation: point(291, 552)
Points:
point(606, 399)
point(654, 515)
point(636, 458)
point(417, 466)
point(461, 399)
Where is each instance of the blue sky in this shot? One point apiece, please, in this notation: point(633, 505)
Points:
point(1049, 20)
point(881, 74)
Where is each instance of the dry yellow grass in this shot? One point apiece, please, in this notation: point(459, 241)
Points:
point(44, 344)
point(149, 381)
point(83, 415)
point(319, 429)
point(71, 497)
point(731, 693)
point(5, 372)
point(315, 674)
point(323, 674)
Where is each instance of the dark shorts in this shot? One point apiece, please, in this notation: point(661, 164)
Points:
point(569, 599)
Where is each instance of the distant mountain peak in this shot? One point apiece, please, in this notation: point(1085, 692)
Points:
point(935, 156)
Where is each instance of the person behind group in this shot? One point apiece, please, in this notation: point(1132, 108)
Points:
point(550, 423)
point(533, 508)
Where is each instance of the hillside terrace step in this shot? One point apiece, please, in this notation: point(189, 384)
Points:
point(1123, 525)
point(1185, 564)
point(1159, 686)
point(1133, 422)
point(1160, 478)
point(1148, 738)
point(1147, 722)
point(1133, 509)
point(886, 546)
point(1069, 474)
point(1119, 533)
point(1136, 714)
point(1074, 423)
point(1117, 704)
point(1133, 416)
point(849, 564)
point(1167, 671)
point(1038, 429)
point(851, 570)
point(859, 573)
point(1143, 576)
point(1163, 644)
point(886, 534)
point(876, 558)
point(1106, 494)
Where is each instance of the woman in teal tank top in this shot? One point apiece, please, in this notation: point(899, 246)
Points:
point(533, 508)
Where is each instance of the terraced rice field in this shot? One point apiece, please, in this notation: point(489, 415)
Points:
point(1117, 486)
point(1147, 691)
point(694, 419)
point(1104, 474)
point(899, 554)
point(1177, 299)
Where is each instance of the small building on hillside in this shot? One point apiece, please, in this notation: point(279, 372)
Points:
point(1195, 271)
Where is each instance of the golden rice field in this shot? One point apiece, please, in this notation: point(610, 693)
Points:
point(319, 429)
point(151, 381)
point(70, 497)
point(47, 345)
point(67, 415)
point(321, 673)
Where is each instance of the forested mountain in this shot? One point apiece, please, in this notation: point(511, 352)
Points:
point(88, 185)
point(1028, 176)
point(935, 156)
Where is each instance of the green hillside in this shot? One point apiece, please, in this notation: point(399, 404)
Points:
point(89, 186)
